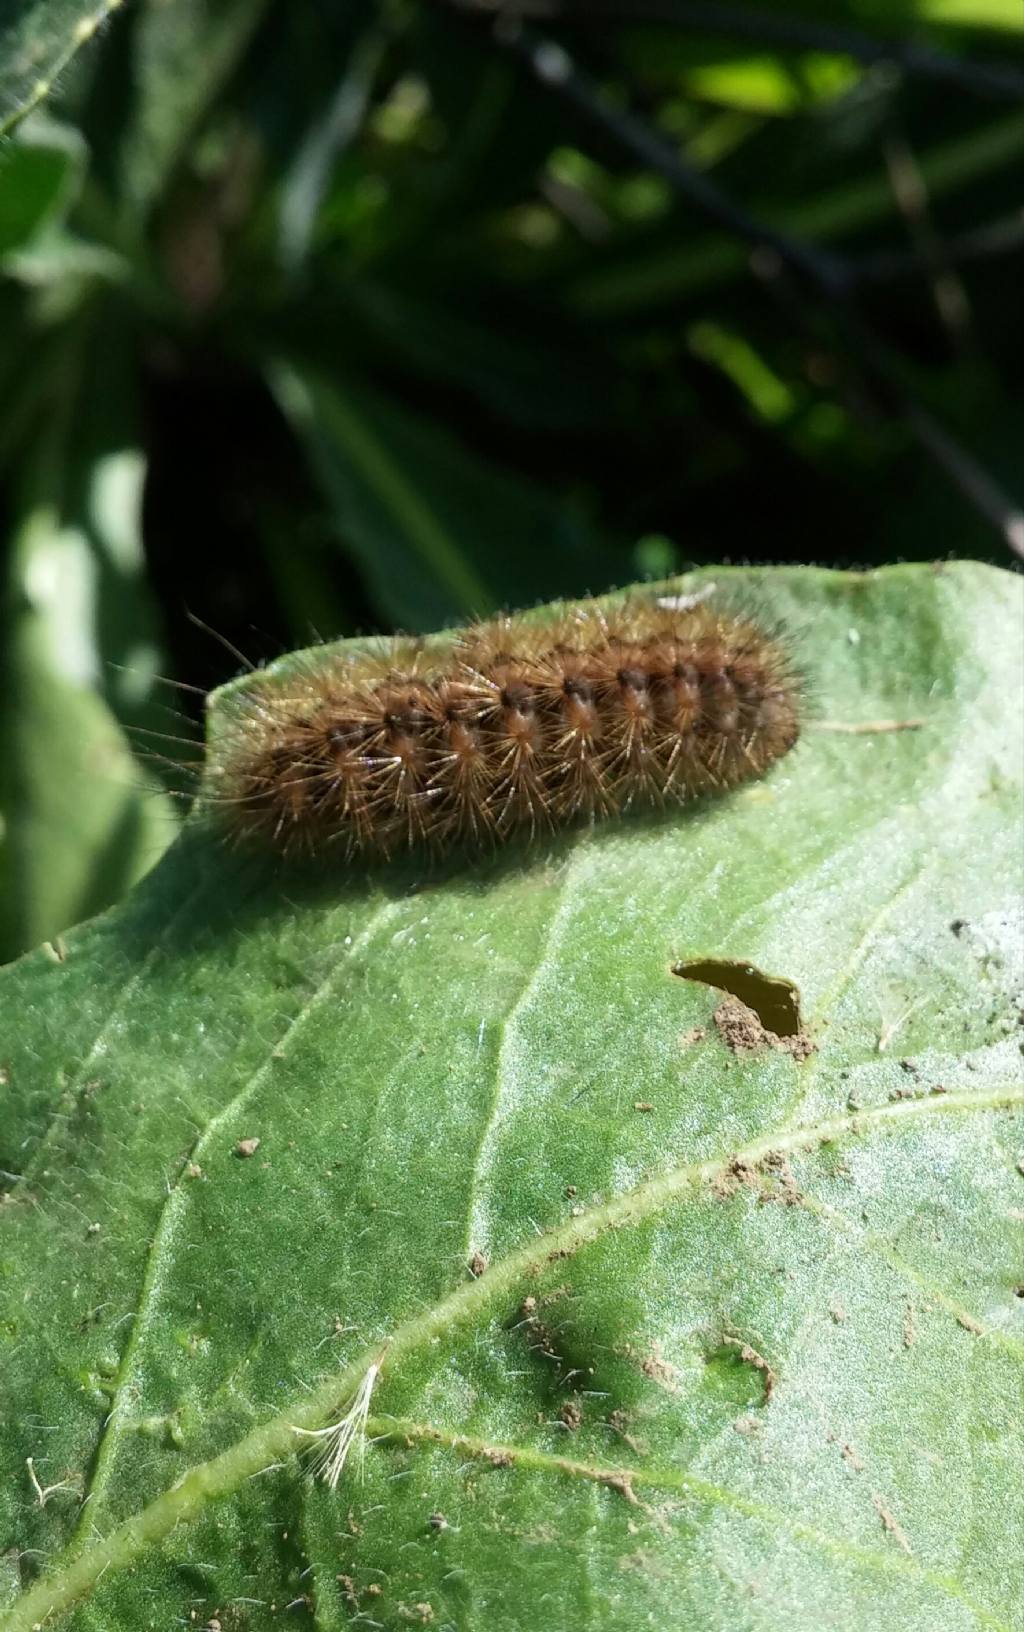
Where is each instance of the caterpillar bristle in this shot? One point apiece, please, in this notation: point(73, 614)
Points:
point(513, 726)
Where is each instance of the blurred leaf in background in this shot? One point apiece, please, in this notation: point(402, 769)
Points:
point(324, 319)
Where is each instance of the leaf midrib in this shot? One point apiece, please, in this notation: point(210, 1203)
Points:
point(279, 1437)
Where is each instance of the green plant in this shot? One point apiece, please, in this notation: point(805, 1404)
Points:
point(338, 318)
point(647, 1327)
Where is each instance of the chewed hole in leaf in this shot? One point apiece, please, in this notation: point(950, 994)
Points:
point(735, 1382)
point(775, 1000)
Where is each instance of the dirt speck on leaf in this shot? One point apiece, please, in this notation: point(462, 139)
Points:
point(737, 1175)
point(779, 1180)
point(622, 1483)
point(739, 1027)
point(641, 1560)
point(571, 1414)
point(620, 1422)
point(772, 1177)
point(652, 1364)
point(890, 1523)
point(750, 1357)
point(659, 1370)
point(743, 1032)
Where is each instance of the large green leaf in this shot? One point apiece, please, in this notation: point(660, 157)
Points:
point(742, 1343)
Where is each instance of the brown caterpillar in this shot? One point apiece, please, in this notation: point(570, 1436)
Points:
point(516, 725)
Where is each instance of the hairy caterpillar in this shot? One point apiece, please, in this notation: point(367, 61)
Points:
point(521, 724)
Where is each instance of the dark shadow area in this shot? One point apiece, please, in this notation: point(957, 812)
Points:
point(236, 886)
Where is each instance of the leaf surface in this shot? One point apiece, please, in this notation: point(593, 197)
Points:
point(668, 1334)
point(38, 39)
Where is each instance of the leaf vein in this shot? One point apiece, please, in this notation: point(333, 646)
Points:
point(174, 1204)
point(276, 1439)
point(623, 1479)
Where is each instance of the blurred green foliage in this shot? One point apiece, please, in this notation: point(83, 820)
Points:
point(322, 318)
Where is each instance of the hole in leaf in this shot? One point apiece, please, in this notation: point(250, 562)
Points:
point(775, 1000)
point(737, 1376)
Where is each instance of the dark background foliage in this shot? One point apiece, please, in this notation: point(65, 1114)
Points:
point(321, 319)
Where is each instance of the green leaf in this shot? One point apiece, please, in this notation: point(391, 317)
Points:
point(1001, 14)
point(78, 823)
point(38, 39)
point(37, 178)
point(839, 212)
point(78, 655)
point(440, 532)
point(332, 131)
point(181, 57)
point(749, 1357)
